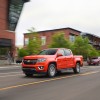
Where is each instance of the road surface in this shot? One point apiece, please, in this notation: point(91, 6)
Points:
point(66, 86)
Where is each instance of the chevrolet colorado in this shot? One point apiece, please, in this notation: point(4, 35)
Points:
point(50, 61)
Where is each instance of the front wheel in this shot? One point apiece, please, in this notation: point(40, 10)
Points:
point(77, 68)
point(51, 70)
point(98, 63)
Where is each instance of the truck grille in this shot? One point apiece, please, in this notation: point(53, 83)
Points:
point(30, 61)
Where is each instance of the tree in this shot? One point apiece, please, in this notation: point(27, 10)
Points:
point(98, 52)
point(93, 52)
point(59, 41)
point(82, 47)
point(34, 45)
point(22, 52)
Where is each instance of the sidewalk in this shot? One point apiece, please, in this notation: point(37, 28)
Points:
point(4, 63)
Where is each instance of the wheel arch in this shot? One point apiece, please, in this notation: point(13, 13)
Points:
point(53, 62)
point(78, 62)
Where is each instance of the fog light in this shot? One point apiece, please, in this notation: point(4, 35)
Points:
point(41, 67)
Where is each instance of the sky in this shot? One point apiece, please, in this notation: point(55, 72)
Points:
point(82, 15)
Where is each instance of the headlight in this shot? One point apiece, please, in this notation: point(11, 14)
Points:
point(41, 60)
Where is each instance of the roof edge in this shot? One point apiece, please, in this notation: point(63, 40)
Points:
point(57, 29)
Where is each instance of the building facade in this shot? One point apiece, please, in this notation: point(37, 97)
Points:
point(46, 36)
point(93, 40)
point(70, 33)
point(10, 12)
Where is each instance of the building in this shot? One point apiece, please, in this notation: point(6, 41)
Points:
point(70, 34)
point(93, 40)
point(10, 12)
point(46, 36)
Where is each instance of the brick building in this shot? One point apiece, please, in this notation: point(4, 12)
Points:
point(46, 36)
point(93, 40)
point(10, 11)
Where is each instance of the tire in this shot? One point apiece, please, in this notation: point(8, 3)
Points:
point(59, 72)
point(51, 70)
point(77, 68)
point(28, 75)
point(98, 63)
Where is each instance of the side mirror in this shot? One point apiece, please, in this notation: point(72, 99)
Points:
point(59, 54)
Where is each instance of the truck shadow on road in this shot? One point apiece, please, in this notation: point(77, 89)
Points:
point(40, 76)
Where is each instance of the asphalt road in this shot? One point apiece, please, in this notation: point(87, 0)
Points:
point(66, 86)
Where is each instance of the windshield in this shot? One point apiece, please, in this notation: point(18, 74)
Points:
point(48, 52)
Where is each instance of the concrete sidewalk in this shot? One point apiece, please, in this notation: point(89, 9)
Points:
point(4, 63)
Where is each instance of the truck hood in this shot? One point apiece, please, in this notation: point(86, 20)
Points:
point(39, 56)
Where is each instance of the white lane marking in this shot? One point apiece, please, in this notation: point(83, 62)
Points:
point(10, 75)
point(10, 67)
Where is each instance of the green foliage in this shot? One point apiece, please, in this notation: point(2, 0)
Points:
point(98, 52)
point(59, 41)
point(22, 52)
point(82, 47)
point(34, 45)
point(93, 53)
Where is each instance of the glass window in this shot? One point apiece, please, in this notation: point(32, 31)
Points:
point(15, 8)
point(61, 51)
point(43, 39)
point(48, 52)
point(72, 37)
point(67, 52)
point(26, 41)
point(3, 52)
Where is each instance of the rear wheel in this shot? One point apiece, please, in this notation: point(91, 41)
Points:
point(77, 68)
point(51, 70)
point(98, 63)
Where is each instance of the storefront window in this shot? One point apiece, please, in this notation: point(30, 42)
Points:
point(3, 52)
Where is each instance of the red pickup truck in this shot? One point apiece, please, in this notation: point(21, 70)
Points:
point(50, 61)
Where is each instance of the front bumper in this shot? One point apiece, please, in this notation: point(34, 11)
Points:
point(32, 71)
point(35, 68)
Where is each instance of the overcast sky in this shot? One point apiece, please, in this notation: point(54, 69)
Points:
point(82, 15)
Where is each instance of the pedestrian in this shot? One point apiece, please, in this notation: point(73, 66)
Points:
point(9, 57)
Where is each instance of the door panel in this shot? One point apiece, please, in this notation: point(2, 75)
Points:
point(69, 61)
point(61, 62)
point(69, 58)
